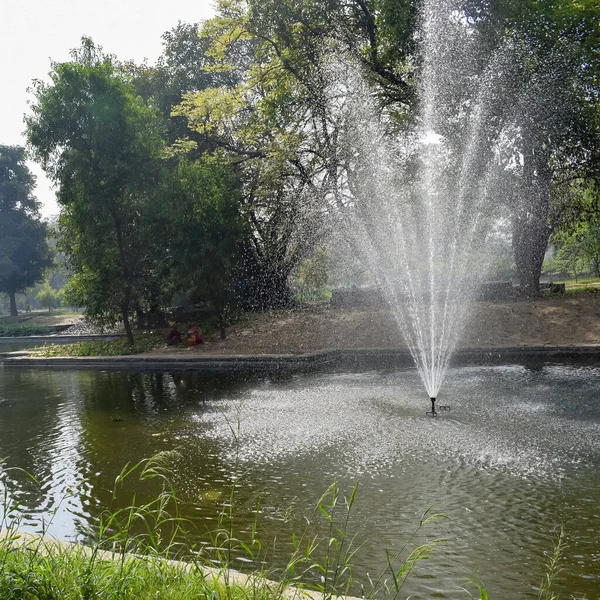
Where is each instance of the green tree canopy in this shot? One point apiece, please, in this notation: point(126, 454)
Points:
point(24, 252)
point(16, 180)
point(98, 141)
point(274, 119)
point(205, 232)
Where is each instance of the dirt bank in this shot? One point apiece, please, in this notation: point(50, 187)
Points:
point(555, 321)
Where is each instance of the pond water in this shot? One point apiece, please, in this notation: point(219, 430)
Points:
point(514, 461)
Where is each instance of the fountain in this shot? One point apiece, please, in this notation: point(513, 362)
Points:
point(421, 201)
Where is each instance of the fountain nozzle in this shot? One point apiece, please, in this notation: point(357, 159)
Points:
point(433, 413)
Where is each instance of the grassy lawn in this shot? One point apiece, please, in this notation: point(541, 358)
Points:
point(16, 329)
point(144, 342)
point(42, 317)
point(589, 281)
point(36, 323)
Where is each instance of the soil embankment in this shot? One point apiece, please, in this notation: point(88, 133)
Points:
point(567, 320)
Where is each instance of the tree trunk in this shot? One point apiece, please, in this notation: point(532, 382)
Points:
point(274, 291)
point(126, 279)
point(531, 227)
point(222, 325)
point(530, 240)
point(127, 325)
point(13, 304)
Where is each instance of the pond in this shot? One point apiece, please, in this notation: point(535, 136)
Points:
point(513, 461)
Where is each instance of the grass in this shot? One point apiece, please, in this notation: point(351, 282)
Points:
point(144, 342)
point(130, 553)
point(145, 551)
point(580, 281)
point(581, 289)
point(40, 315)
point(35, 571)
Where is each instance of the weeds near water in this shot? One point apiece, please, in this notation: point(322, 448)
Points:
point(553, 567)
point(130, 552)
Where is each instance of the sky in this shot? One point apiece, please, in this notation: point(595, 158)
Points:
point(33, 32)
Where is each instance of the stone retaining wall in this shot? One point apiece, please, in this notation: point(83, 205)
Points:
point(325, 360)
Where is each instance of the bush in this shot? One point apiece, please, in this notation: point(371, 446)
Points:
point(144, 342)
point(48, 297)
point(22, 330)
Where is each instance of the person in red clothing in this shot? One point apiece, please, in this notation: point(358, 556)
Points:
point(173, 337)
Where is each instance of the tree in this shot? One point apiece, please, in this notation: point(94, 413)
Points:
point(48, 297)
point(276, 124)
point(185, 66)
point(24, 253)
point(99, 141)
point(206, 232)
point(577, 238)
point(16, 180)
point(551, 125)
point(314, 272)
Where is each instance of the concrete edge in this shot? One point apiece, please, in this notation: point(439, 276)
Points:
point(328, 359)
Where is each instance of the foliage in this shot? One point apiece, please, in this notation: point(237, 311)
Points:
point(314, 274)
point(273, 121)
point(98, 141)
point(23, 329)
point(24, 253)
point(48, 297)
point(185, 66)
point(577, 241)
point(550, 117)
point(144, 342)
point(205, 232)
point(16, 180)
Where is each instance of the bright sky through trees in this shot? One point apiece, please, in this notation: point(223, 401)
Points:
point(34, 31)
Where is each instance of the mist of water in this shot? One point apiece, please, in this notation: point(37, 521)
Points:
point(421, 199)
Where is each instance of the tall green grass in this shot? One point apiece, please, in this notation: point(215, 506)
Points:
point(146, 551)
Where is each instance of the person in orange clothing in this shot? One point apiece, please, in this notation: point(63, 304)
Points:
point(194, 337)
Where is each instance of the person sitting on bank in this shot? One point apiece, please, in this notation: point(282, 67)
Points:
point(173, 337)
point(194, 337)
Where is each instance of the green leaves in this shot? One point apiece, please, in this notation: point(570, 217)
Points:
point(100, 143)
point(24, 252)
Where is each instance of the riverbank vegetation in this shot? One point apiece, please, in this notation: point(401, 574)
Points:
point(144, 342)
point(145, 551)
